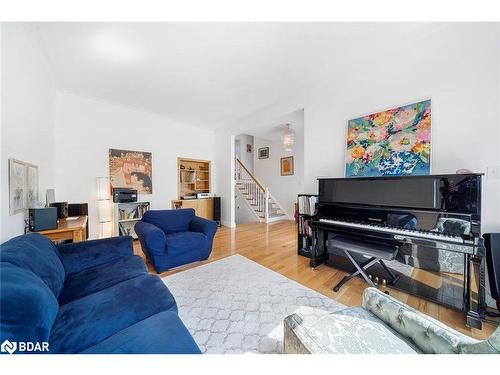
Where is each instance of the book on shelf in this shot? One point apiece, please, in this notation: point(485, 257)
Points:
point(304, 227)
point(135, 211)
point(307, 204)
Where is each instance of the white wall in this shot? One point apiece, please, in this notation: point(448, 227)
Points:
point(27, 116)
point(224, 156)
point(267, 171)
point(246, 157)
point(86, 129)
point(243, 213)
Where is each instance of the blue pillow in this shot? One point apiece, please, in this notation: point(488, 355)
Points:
point(28, 307)
point(38, 254)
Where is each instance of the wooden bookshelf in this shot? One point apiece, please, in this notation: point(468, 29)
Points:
point(193, 176)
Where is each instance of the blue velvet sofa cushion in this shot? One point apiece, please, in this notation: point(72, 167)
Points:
point(79, 256)
point(170, 221)
point(38, 254)
point(92, 280)
point(87, 321)
point(28, 306)
point(162, 333)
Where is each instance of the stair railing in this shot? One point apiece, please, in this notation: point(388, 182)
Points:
point(252, 188)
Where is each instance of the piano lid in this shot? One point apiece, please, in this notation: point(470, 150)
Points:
point(445, 193)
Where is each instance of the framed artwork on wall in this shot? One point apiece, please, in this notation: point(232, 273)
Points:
point(17, 185)
point(131, 169)
point(249, 147)
point(392, 142)
point(286, 166)
point(31, 184)
point(264, 153)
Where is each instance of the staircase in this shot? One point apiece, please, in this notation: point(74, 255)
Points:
point(259, 199)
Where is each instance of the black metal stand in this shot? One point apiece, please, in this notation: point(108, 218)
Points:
point(360, 270)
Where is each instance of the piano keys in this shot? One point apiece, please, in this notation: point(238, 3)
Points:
point(419, 215)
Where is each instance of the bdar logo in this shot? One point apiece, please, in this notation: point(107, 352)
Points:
point(9, 347)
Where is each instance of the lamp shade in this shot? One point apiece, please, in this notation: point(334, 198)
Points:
point(104, 210)
point(103, 188)
point(288, 138)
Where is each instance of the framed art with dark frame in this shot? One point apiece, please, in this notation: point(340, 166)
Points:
point(264, 153)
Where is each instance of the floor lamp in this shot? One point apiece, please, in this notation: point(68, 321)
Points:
point(104, 207)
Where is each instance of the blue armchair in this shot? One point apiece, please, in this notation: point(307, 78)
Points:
point(172, 238)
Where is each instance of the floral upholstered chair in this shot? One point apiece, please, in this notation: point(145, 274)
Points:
point(383, 325)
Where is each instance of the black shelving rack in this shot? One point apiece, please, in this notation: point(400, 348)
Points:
point(305, 235)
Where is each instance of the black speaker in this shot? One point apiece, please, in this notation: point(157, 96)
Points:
point(62, 209)
point(79, 209)
point(217, 210)
point(492, 244)
point(42, 218)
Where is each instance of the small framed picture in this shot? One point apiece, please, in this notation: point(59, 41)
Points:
point(17, 186)
point(264, 153)
point(286, 165)
point(249, 147)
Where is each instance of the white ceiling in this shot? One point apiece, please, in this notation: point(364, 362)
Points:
point(273, 130)
point(209, 74)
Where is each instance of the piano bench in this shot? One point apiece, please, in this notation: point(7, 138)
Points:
point(376, 251)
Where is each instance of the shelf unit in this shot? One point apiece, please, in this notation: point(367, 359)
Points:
point(126, 215)
point(304, 231)
point(194, 176)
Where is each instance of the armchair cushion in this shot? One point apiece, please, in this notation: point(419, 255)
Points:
point(37, 254)
point(430, 335)
point(348, 331)
point(170, 221)
point(87, 321)
point(185, 247)
point(80, 256)
point(201, 225)
point(151, 237)
point(92, 280)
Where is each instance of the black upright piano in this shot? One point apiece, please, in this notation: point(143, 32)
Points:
point(435, 221)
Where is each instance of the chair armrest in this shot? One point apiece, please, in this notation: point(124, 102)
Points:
point(207, 227)
point(151, 237)
point(79, 256)
point(428, 334)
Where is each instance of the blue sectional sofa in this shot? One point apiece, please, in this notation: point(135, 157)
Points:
point(172, 238)
point(86, 297)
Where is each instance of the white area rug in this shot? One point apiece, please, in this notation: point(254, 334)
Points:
point(235, 305)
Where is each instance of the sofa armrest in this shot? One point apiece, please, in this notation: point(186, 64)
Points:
point(428, 334)
point(152, 238)
point(79, 256)
point(207, 227)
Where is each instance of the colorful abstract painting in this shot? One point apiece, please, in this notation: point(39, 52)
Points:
point(393, 142)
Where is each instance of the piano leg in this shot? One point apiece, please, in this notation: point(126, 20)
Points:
point(474, 300)
point(319, 253)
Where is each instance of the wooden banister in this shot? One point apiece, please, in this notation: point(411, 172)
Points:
point(238, 161)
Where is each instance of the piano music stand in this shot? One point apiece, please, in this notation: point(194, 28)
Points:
point(377, 253)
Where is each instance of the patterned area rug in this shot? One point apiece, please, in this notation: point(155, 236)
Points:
point(235, 305)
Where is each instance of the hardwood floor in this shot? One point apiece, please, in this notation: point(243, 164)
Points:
point(275, 247)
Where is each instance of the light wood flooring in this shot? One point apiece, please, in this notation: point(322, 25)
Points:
point(275, 247)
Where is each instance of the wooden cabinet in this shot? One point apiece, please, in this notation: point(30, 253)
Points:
point(202, 207)
point(193, 177)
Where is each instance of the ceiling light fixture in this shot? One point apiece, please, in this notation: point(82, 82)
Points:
point(288, 138)
point(110, 46)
